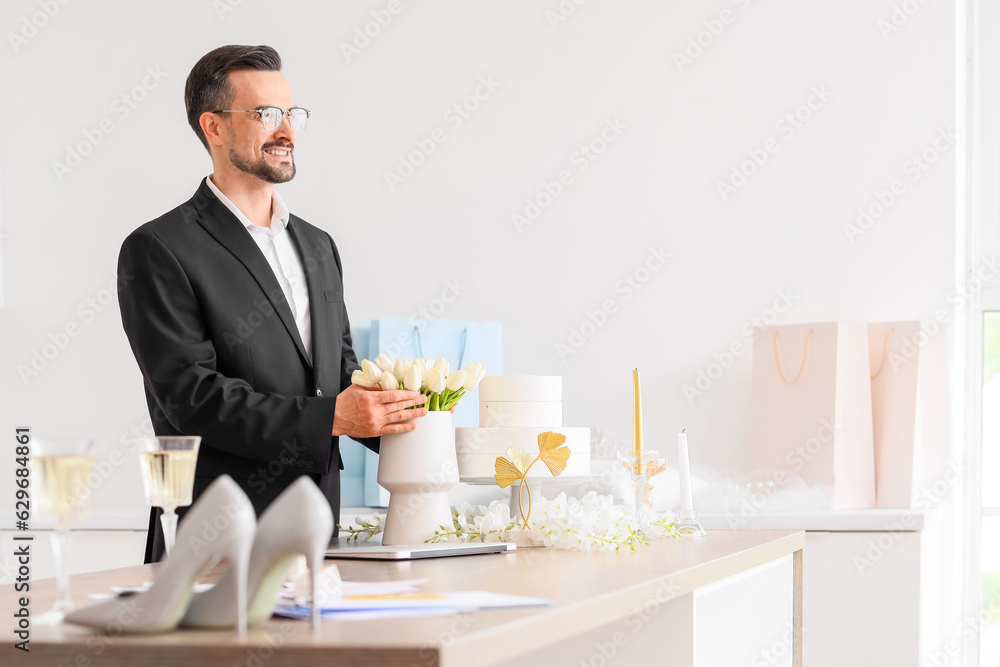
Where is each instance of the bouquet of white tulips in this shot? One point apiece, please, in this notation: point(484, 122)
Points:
point(435, 379)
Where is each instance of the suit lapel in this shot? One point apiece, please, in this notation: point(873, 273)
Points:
point(220, 222)
point(313, 286)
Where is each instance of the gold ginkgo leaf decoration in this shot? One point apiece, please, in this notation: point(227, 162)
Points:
point(551, 451)
point(512, 468)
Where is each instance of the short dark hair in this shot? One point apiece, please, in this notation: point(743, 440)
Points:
point(208, 87)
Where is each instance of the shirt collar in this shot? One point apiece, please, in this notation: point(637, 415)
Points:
point(279, 211)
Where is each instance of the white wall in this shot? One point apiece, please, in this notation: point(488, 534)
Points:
point(655, 186)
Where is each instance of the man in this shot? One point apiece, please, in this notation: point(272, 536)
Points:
point(234, 308)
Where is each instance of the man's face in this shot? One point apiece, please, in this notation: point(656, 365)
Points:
point(252, 149)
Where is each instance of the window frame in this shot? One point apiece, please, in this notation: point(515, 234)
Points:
point(977, 240)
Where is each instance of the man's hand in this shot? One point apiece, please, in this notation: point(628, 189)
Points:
point(366, 413)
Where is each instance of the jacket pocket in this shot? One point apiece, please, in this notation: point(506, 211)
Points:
point(334, 295)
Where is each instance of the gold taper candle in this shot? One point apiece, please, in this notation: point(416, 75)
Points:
point(637, 426)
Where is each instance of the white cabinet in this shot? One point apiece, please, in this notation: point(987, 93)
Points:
point(860, 600)
point(746, 619)
point(871, 584)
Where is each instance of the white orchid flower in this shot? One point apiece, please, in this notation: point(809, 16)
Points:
point(455, 380)
point(443, 366)
point(388, 381)
point(385, 362)
point(414, 377)
point(435, 380)
point(359, 378)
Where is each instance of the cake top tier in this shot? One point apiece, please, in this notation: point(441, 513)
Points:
point(504, 388)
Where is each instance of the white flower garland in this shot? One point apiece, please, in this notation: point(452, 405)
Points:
point(591, 523)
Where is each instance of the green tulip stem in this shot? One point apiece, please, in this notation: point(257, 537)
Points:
point(452, 400)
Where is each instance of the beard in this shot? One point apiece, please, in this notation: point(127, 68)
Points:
point(261, 168)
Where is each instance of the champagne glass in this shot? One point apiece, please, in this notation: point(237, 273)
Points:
point(168, 464)
point(60, 468)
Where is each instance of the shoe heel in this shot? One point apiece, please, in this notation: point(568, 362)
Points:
point(169, 599)
point(238, 557)
point(314, 561)
point(258, 575)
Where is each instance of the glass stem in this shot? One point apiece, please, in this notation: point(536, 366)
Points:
point(169, 521)
point(60, 556)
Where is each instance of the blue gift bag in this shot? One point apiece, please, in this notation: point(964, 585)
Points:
point(352, 477)
point(461, 343)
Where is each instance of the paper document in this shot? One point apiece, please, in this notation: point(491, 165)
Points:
point(329, 588)
point(393, 605)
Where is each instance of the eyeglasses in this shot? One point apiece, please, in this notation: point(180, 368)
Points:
point(271, 117)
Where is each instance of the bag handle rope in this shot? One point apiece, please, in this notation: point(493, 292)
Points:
point(777, 361)
point(418, 348)
point(461, 353)
point(885, 348)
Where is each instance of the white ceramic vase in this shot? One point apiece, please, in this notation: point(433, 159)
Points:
point(418, 468)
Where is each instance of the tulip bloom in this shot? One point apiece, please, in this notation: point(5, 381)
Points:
point(435, 380)
point(384, 362)
point(359, 378)
point(414, 378)
point(442, 387)
point(476, 372)
point(388, 381)
point(443, 366)
point(400, 368)
point(373, 372)
point(455, 380)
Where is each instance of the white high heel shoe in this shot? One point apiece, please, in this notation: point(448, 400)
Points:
point(299, 521)
point(220, 524)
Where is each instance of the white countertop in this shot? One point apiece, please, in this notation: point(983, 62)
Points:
point(138, 519)
point(830, 520)
point(821, 520)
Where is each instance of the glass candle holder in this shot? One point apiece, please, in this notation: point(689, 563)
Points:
point(641, 469)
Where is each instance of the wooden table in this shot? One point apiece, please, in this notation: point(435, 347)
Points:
point(610, 608)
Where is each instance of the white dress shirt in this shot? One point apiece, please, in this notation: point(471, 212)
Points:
point(275, 242)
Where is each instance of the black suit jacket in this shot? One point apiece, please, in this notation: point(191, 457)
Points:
point(220, 354)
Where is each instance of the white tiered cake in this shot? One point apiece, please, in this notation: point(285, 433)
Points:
point(513, 411)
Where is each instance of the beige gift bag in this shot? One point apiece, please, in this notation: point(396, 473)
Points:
point(812, 407)
point(909, 366)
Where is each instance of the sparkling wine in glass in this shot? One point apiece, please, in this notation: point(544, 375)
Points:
point(168, 464)
point(60, 468)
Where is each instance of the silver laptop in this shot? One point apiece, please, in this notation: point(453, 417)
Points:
point(374, 550)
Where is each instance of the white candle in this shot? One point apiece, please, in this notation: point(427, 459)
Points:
point(684, 467)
